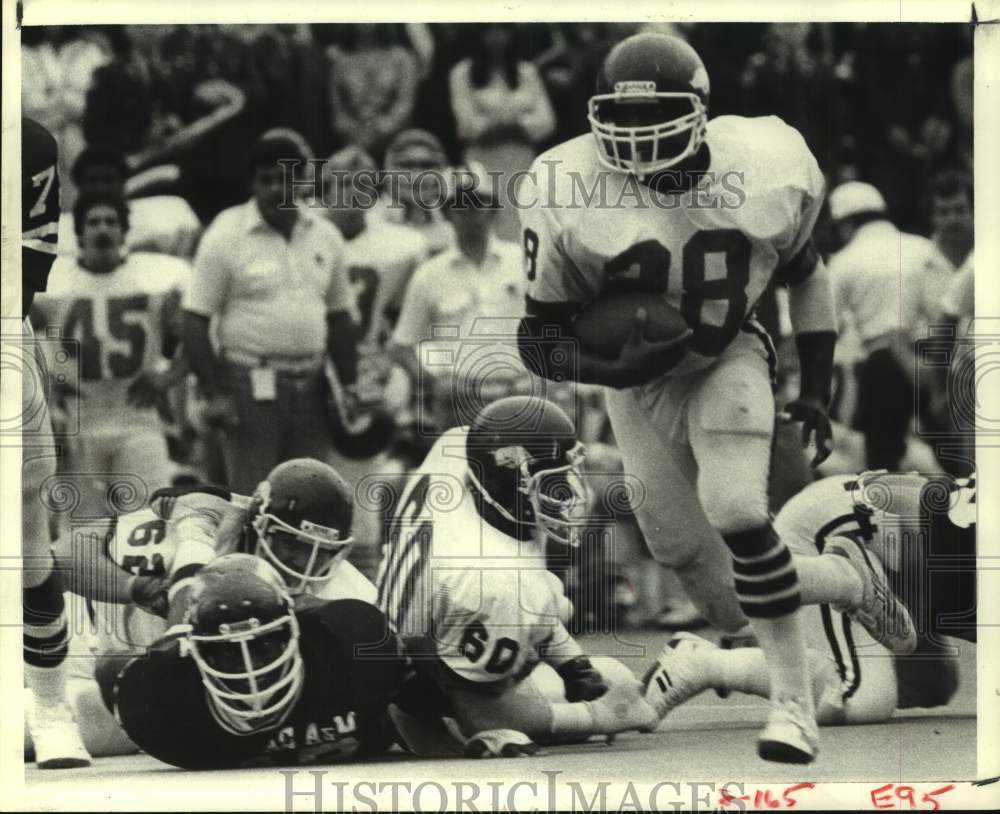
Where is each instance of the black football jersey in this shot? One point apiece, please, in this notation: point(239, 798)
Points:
point(39, 208)
point(352, 671)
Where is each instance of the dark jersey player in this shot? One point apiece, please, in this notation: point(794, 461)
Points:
point(252, 679)
point(39, 209)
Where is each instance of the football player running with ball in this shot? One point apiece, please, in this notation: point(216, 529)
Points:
point(705, 215)
point(465, 586)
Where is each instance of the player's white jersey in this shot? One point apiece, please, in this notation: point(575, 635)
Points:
point(710, 252)
point(458, 589)
point(114, 324)
point(346, 582)
point(144, 543)
point(380, 261)
point(137, 542)
point(874, 507)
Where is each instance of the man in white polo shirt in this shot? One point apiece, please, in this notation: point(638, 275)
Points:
point(889, 286)
point(456, 330)
point(270, 282)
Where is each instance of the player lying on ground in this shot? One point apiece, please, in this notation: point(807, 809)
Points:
point(299, 520)
point(464, 584)
point(252, 677)
point(841, 530)
point(699, 217)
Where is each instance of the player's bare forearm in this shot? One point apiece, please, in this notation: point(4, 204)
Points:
point(198, 348)
point(232, 102)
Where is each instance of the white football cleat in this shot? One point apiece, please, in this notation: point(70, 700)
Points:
point(56, 737)
point(881, 612)
point(791, 734)
point(677, 674)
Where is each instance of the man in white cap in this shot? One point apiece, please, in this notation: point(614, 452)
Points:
point(888, 286)
point(416, 163)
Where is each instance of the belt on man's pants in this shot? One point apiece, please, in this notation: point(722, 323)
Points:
point(282, 363)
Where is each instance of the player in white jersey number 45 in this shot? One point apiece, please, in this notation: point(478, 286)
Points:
point(704, 214)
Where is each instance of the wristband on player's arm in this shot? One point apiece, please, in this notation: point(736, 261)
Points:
point(816, 349)
point(582, 681)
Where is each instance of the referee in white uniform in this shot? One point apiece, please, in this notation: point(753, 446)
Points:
point(889, 287)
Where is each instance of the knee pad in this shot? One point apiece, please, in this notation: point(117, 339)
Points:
point(767, 584)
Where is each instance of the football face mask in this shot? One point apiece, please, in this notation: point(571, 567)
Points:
point(304, 556)
point(559, 499)
point(556, 495)
point(252, 672)
point(644, 131)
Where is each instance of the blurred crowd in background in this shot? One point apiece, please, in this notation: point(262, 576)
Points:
point(887, 103)
point(176, 112)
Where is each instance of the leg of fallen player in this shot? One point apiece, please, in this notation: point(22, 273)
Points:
point(851, 579)
point(695, 665)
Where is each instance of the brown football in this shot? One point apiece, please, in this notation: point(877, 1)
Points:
point(605, 323)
